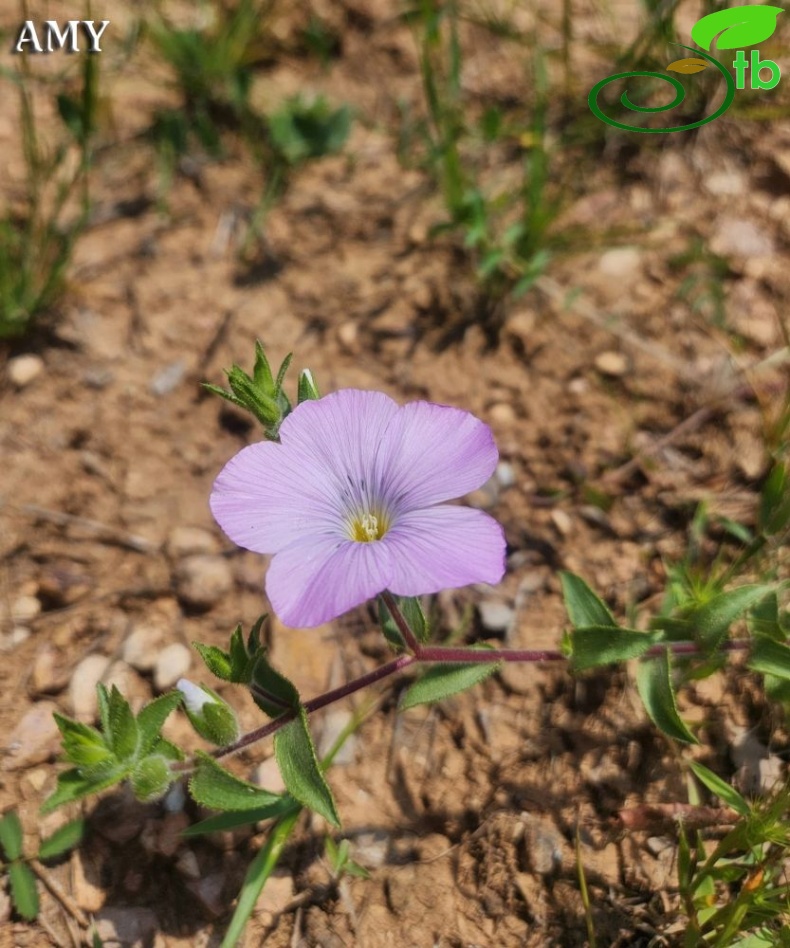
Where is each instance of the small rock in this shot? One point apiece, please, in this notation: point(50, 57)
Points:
point(209, 890)
point(562, 522)
point(185, 541)
point(202, 580)
point(127, 927)
point(34, 739)
point(725, 183)
point(267, 775)
point(502, 414)
point(543, 844)
point(276, 895)
point(188, 865)
point(24, 369)
point(621, 263)
point(505, 474)
point(740, 238)
point(371, 849)
point(334, 723)
point(172, 663)
point(578, 386)
point(25, 608)
point(16, 636)
point(47, 676)
point(168, 378)
point(142, 646)
point(495, 615)
point(87, 894)
point(613, 364)
point(129, 683)
point(348, 336)
point(657, 844)
point(82, 690)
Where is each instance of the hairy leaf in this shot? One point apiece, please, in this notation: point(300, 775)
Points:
point(654, 681)
point(604, 645)
point(24, 893)
point(301, 773)
point(62, 840)
point(441, 681)
point(213, 786)
point(583, 606)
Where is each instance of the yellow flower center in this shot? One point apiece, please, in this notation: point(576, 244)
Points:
point(367, 527)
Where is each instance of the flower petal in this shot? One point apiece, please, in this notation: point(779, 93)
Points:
point(433, 453)
point(316, 580)
point(443, 548)
point(340, 435)
point(267, 497)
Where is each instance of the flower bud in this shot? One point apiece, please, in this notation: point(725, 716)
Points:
point(210, 716)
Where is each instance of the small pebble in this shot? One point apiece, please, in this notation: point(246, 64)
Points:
point(502, 413)
point(202, 580)
point(172, 663)
point(133, 927)
point(562, 522)
point(24, 369)
point(348, 336)
point(613, 364)
point(620, 263)
point(495, 615)
point(82, 690)
point(168, 378)
point(185, 541)
point(505, 474)
point(25, 608)
point(142, 646)
point(47, 676)
point(34, 739)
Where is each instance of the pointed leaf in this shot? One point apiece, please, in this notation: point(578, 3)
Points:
point(124, 734)
point(11, 835)
point(654, 681)
point(604, 645)
point(74, 785)
point(232, 819)
point(104, 708)
point(62, 840)
point(273, 693)
point(24, 893)
point(727, 794)
point(153, 716)
point(295, 754)
point(774, 513)
point(82, 744)
point(687, 66)
point(213, 786)
point(262, 372)
point(712, 621)
point(770, 657)
point(739, 26)
point(217, 661)
point(441, 681)
point(583, 606)
point(307, 389)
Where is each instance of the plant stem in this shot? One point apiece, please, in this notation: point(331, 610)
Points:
point(409, 637)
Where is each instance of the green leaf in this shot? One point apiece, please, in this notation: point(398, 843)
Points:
point(213, 786)
point(739, 26)
point(273, 693)
point(217, 661)
point(226, 821)
point(74, 785)
point(770, 658)
point(604, 645)
point(712, 621)
point(727, 794)
point(774, 512)
point(124, 734)
point(441, 681)
point(11, 835)
point(262, 373)
point(151, 779)
point(153, 716)
point(307, 389)
point(104, 707)
point(295, 754)
point(83, 745)
point(583, 606)
point(62, 840)
point(654, 681)
point(24, 893)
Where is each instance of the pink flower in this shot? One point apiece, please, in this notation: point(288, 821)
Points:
point(352, 502)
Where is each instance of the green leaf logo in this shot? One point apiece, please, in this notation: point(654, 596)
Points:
point(740, 26)
point(687, 66)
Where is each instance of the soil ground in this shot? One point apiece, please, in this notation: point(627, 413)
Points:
point(466, 814)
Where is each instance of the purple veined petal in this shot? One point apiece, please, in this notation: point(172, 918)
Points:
point(340, 434)
point(443, 548)
point(318, 579)
point(267, 497)
point(433, 453)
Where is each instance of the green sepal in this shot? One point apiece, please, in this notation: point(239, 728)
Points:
point(711, 621)
point(213, 786)
point(11, 835)
point(295, 754)
point(211, 716)
point(152, 716)
point(604, 645)
point(727, 794)
point(273, 692)
point(151, 779)
point(441, 681)
point(412, 611)
point(654, 682)
point(307, 389)
point(584, 607)
point(24, 892)
point(216, 660)
point(62, 840)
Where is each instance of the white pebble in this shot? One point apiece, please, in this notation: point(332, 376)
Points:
point(24, 369)
point(173, 663)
